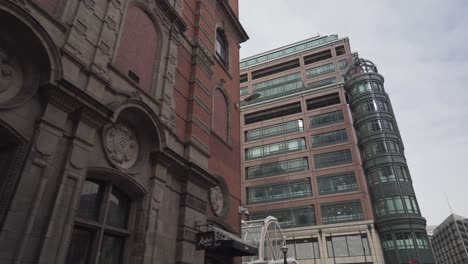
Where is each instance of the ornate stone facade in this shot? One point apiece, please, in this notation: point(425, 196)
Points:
point(91, 158)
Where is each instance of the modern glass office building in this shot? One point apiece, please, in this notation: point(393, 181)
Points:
point(309, 158)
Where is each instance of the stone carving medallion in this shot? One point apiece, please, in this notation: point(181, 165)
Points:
point(10, 76)
point(216, 200)
point(121, 145)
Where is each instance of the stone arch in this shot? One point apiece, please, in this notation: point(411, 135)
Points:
point(124, 181)
point(152, 122)
point(28, 56)
point(215, 102)
point(56, 69)
point(13, 150)
point(160, 42)
point(221, 32)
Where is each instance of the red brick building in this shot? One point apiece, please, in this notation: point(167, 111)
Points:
point(119, 126)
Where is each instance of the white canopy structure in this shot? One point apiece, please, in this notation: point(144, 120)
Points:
point(267, 236)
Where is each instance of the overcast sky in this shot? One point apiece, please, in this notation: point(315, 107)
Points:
point(421, 48)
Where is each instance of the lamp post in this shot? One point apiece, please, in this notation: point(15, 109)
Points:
point(284, 249)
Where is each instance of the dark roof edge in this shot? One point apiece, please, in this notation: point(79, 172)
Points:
point(234, 20)
point(173, 15)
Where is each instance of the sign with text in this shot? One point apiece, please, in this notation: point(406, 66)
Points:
point(205, 240)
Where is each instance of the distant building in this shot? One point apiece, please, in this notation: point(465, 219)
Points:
point(450, 240)
point(321, 151)
point(430, 231)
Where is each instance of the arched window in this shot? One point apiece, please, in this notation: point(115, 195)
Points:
point(101, 225)
point(138, 48)
point(221, 47)
point(220, 115)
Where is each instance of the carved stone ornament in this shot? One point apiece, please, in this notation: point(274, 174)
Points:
point(216, 200)
point(121, 145)
point(10, 75)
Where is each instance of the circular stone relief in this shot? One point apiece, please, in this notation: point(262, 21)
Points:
point(121, 145)
point(11, 76)
point(217, 200)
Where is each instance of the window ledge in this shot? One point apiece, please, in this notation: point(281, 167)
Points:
point(226, 143)
point(223, 65)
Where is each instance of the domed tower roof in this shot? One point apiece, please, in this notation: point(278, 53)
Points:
point(360, 66)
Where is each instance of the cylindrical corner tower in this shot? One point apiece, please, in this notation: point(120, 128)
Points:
point(399, 223)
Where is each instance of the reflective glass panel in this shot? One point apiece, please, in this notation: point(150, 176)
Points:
point(119, 208)
point(79, 249)
point(90, 200)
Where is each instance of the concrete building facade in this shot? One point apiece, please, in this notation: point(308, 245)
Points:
point(450, 240)
point(302, 159)
point(117, 128)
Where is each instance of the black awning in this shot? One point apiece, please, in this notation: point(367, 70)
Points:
point(220, 242)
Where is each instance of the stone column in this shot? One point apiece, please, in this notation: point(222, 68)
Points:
point(61, 221)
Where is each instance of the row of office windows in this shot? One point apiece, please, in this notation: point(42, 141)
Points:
point(334, 158)
point(282, 89)
point(332, 213)
point(288, 51)
point(274, 130)
point(320, 83)
point(294, 108)
point(323, 69)
point(365, 87)
point(329, 138)
point(276, 81)
point(371, 105)
point(328, 184)
point(297, 125)
point(277, 168)
point(394, 205)
point(323, 101)
point(295, 63)
point(291, 64)
point(337, 246)
point(275, 148)
point(348, 246)
point(303, 216)
point(289, 217)
point(323, 160)
point(375, 125)
point(381, 147)
point(318, 140)
point(279, 191)
point(405, 240)
point(388, 173)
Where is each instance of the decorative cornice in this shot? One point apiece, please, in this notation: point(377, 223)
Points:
point(234, 20)
point(79, 104)
point(173, 15)
point(188, 170)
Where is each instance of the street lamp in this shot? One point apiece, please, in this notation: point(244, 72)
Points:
point(284, 249)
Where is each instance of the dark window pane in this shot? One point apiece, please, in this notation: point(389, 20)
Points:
point(329, 138)
point(332, 159)
point(277, 168)
point(111, 250)
point(119, 207)
point(341, 212)
point(90, 200)
point(343, 182)
point(79, 249)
